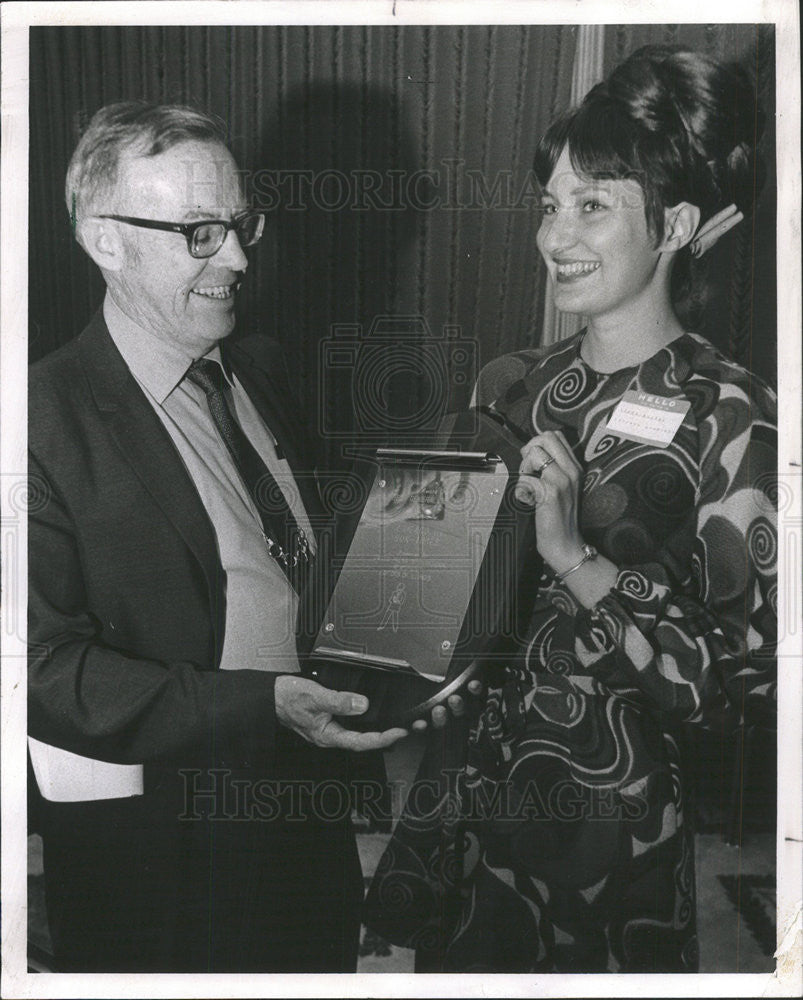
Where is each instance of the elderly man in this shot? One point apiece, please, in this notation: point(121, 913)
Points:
point(171, 734)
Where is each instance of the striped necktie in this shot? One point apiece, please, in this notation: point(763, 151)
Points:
point(287, 543)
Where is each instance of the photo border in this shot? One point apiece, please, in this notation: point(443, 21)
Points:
point(16, 19)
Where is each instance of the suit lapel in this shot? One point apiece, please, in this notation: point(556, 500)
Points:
point(146, 446)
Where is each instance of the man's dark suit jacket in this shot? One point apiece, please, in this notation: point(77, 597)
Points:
point(126, 618)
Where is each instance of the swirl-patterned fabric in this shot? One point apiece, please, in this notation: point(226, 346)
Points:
point(564, 843)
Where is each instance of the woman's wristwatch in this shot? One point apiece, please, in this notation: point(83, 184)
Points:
point(589, 554)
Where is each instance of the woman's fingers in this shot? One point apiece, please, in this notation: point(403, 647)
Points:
point(534, 459)
point(457, 707)
point(549, 447)
point(547, 461)
point(528, 489)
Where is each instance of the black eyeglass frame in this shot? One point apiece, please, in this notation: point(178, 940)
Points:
point(188, 229)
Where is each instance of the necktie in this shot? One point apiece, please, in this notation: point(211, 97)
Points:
point(286, 541)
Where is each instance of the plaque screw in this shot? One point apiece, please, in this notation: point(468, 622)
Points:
point(446, 644)
point(383, 483)
point(329, 627)
point(494, 492)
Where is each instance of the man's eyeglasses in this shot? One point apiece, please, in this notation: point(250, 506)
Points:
point(206, 237)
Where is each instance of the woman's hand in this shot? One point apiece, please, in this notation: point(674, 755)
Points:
point(551, 480)
point(458, 706)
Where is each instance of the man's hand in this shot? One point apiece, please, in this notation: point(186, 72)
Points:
point(308, 709)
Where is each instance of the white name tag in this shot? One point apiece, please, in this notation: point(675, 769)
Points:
point(648, 419)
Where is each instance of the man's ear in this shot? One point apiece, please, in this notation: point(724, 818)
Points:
point(102, 241)
point(680, 225)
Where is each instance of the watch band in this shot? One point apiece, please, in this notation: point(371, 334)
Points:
point(589, 554)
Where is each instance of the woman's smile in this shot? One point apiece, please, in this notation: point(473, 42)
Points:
point(574, 270)
point(590, 225)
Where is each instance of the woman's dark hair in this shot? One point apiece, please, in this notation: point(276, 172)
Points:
point(682, 125)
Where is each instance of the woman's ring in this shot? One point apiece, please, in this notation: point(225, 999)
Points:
point(543, 465)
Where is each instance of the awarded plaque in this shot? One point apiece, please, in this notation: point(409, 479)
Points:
point(427, 590)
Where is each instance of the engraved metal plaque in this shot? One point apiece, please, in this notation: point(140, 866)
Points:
point(404, 590)
point(429, 587)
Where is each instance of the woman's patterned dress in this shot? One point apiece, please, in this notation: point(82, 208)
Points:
point(564, 843)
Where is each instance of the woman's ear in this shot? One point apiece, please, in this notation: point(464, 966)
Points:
point(102, 241)
point(680, 225)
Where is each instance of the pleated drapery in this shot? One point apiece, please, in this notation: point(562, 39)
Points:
point(395, 166)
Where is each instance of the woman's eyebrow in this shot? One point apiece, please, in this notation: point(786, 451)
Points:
point(592, 185)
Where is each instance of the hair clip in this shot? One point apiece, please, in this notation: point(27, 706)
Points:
point(717, 226)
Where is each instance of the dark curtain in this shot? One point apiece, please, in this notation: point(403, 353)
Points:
point(395, 165)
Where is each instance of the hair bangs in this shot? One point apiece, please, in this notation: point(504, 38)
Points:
point(601, 144)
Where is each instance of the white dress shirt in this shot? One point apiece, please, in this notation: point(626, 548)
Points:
point(261, 605)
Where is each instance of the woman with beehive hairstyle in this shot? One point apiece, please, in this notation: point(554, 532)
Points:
point(565, 843)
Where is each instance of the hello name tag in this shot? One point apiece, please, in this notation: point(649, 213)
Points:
point(647, 418)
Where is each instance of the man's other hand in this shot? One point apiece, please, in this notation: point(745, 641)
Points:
point(308, 709)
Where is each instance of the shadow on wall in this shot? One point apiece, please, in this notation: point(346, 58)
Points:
point(338, 169)
point(339, 178)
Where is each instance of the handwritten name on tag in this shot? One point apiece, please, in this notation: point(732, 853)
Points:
point(647, 418)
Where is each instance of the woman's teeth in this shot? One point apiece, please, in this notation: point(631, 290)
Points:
point(580, 267)
point(216, 292)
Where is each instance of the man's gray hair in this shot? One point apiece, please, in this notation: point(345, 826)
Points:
point(128, 128)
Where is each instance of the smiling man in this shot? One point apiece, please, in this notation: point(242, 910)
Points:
point(171, 735)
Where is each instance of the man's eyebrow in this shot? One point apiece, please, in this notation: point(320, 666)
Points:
point(194, 213)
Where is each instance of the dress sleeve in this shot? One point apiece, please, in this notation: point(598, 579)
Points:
point(704, 647)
